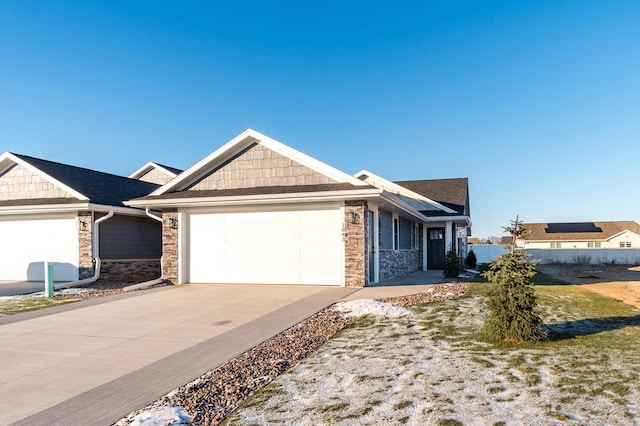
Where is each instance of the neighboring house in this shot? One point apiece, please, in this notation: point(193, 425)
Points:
point(257, 211)
point(50, 212)
point(582, 235)
point(155, 173)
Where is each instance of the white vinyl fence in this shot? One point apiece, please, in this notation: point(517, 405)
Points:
point(585, 256)
point(486, 253)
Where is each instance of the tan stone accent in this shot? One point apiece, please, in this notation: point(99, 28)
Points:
point(355, 245)
point(85, 244)
point(20, 183)
point(155, 176)
point(258, 166)
point(170, 246)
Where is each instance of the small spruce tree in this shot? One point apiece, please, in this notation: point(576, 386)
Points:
point(471, 260)
point(452, 264)
point(512, 303)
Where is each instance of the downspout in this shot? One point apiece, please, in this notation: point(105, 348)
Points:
point(95, 241)
point(157, 280)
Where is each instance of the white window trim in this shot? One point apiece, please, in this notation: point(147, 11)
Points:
point(395, 232)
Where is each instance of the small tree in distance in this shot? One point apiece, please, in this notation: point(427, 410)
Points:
point(512, 302)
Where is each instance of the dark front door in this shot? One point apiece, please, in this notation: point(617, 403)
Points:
point(435, 248)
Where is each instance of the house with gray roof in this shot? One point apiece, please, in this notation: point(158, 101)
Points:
point(256, 211)
point(74, 218)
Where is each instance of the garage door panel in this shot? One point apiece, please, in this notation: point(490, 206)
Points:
point(273, 247)
point(28, 243)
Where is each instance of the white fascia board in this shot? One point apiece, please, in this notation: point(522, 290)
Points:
point(465, 219)
point(129, 211)
point(148, 167)
point(392, 199)
point(43, 208)
point(240, 142)
point(51, 180)
point(382, 183)
point(358, 194)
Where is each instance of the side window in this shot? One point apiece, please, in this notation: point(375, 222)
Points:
point(396, 233)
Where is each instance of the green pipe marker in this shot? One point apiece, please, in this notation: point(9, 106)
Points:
point(48, 279)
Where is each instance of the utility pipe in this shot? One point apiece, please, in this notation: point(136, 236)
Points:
point(95, 241)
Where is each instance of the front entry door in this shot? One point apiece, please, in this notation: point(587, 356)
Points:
point(371, 246)
point(435, 248)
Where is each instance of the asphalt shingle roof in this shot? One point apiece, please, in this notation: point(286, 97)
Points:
point(453, 193)
point(99, 187)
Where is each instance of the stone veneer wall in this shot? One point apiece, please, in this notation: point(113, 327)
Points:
point(397, 263)
point(170, 246)
point(130, 271)
point(85, 245)
point(355, 245)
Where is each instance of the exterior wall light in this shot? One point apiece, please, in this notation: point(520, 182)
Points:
point(82, 225)
point(352, 217)
point(173, 223)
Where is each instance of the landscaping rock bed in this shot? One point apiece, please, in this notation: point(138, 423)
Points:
point(211, 397)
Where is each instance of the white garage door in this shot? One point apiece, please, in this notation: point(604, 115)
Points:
point(271, 247)
point(26, 243)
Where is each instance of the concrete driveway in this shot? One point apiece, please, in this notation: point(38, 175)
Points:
point(14, 288)
point(94, 362)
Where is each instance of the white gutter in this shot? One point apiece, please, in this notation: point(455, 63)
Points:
point(358, 194)
point(157, 280)
point(96, 254)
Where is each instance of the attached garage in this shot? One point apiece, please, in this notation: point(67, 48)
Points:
point(302, 246)
point(29, 241)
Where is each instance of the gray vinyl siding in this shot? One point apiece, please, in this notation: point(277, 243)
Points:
point(386, 232)
point(130, 237)
point(405, 234)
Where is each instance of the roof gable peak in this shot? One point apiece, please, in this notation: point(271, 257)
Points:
point(242, 142)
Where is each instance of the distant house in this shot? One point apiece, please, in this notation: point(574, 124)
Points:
point(623, 234)
point(155, 173)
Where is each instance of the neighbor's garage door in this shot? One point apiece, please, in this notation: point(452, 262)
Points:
point(270, 247)
point(26, 243)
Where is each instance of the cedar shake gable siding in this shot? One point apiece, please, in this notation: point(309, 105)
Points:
point(257, 166)
point(100, 188)
point(20, 183)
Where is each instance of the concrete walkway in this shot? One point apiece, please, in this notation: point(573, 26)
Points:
point(94, 362)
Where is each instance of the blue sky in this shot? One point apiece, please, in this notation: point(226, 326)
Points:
point(537, 103)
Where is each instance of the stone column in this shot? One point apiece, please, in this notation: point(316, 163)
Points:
point(84, 225)
point(355, 244)
point(170, 241)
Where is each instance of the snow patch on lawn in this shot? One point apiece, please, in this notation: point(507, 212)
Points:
point(358, 308)
point(162, 416)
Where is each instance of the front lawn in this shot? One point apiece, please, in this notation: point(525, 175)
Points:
point(431, 368)
point(14, 305)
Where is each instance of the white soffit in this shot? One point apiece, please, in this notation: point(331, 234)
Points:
point(382, 183)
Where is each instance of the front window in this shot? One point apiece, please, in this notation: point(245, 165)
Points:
point(396, 233)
